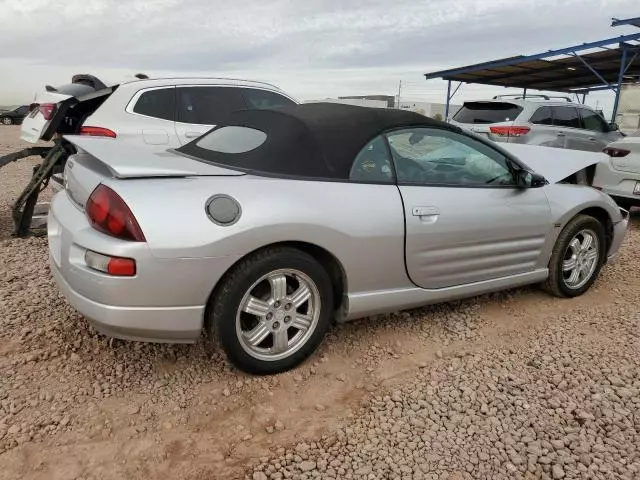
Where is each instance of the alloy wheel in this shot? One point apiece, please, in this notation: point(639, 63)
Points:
point(580, 259)
point(278, 314)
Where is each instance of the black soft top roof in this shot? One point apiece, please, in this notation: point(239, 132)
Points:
point(317, 140)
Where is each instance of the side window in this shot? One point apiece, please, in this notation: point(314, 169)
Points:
point(372, 163)
point(256, 98)
point(566, 117)
point(207, 105)
point(441, 157)
point(22, 110)
point(542, 116)
point(159, 103)
point(592, 121)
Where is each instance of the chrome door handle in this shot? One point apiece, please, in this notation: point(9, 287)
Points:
point(560, 134)
point(192, 134)
point(425, 211)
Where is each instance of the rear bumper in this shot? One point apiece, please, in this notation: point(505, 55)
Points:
point(616, 183)
point(169, 324)
point(164, 301)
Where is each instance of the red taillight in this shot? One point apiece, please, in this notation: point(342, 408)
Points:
point(509, 131)
point(117, 266)
point(97, 132)
point(47, 110)
point(124, 267)
point(109, 214)
point(616, 152)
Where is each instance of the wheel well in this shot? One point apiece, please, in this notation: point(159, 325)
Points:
point(329, 262)
point(603, 217)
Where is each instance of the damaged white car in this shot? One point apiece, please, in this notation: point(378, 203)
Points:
point(619, 175)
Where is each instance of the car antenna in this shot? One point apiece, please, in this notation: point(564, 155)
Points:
point(141, 76)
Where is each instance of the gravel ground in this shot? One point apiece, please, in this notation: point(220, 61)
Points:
point(509, 385)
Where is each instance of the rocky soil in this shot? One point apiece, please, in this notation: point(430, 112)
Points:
point(510, 385)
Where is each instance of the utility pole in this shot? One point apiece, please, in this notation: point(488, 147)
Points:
point(399, 90)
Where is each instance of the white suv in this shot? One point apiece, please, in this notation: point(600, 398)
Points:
point(165, 112)
point(537, 120)
point(161, 113)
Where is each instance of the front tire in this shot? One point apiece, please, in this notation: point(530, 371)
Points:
point(6, 120)
point(272, 311)
point(577, 257)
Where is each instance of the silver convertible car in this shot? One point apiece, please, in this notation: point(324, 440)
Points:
point(275, 222)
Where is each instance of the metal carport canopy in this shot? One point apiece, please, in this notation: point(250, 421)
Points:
point(601, 65)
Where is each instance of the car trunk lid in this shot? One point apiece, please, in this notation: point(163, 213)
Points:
point(100, 158)
point(62, 109)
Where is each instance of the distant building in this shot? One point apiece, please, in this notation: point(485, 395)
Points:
point(390, 100)
point(429, 109)
point(628, 117)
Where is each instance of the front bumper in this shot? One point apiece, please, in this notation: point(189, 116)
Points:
point(619, 233)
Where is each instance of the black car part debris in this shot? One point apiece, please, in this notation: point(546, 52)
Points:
point(23, 209)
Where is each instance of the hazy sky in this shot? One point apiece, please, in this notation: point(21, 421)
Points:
point(311, 48)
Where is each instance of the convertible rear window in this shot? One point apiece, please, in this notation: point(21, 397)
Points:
point(487, 112)
point(232, 139)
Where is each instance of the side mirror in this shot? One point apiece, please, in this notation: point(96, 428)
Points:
point(527, 179)
point(613, 126)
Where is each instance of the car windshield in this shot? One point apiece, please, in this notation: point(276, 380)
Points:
point(487, 112)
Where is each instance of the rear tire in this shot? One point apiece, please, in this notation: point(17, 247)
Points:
point(272, 310)
point(577, 257)
point(6, 120)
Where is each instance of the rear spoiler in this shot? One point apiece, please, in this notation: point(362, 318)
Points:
point(124, 160)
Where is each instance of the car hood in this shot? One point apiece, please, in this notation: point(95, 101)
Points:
point(125, 160)
point(555, 164)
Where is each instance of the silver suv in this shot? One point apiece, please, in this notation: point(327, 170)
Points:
point(537, 120)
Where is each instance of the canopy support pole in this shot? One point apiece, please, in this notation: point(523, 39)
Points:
point(449, 98)
point(446, 107)
point(623, 68)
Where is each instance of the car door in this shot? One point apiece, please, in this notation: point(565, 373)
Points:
point(200, 107)
point(543, 132)
point(151, 119)
point(22, 111)
point(568, 127)
point(596, 130)
point(466, 221)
